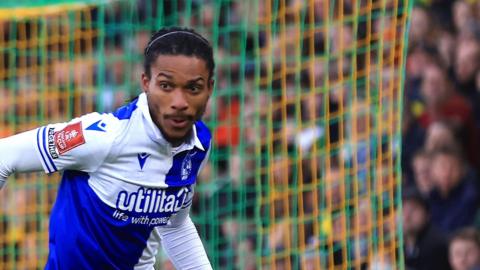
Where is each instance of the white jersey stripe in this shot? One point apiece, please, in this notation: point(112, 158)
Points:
point(49, 158)
point(40, 150)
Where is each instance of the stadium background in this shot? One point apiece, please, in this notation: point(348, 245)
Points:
point(307, 117)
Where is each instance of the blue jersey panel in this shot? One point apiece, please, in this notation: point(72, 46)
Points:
point(185, 168)
point(203, 134)
point(125, 112)
point(85, 233)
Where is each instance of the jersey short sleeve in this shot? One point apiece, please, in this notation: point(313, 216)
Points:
point(81, 144)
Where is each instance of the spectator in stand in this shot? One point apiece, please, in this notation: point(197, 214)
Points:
point(441, 100)
point(467, 56)
point(413, 137)
point(467, 70)
point(440, 135)
point(443, 103)
point(464, 250)
point(421, 173)
point(454, 200)
point(446, 47)
point(464, 19)
point(425, 246)
point(442, 112)
point(419, 57)
point(420, 31)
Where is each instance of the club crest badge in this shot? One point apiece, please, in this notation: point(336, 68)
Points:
point(187, 166)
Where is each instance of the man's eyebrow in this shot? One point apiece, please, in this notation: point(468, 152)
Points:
point(196, 79)
point(165, 75)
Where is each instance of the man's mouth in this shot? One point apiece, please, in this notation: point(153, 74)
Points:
point(178, 121)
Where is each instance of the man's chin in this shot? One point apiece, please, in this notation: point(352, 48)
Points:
point(177, 138)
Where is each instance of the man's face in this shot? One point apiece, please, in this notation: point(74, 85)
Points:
point(434, 88)
point(421, 169)
point(414, 217)
point(466, 61)
point(446, 172)
point(177, 92)
point(464, 254)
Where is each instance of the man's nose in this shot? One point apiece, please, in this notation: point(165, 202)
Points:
point(179, 101)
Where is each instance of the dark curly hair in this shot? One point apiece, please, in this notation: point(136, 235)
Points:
point(178, 41)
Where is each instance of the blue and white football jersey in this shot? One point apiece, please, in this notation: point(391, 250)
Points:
point(122, 182)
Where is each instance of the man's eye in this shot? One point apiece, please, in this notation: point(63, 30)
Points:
point(164, 86)
point(194, 88)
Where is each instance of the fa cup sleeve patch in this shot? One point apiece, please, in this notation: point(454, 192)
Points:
point(69, 137)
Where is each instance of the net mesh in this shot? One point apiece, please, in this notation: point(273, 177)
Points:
point(304, 171)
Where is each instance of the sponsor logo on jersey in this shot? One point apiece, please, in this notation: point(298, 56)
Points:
point(152, 201)
point(187, 166)
point(69, 138)
point(51, 143)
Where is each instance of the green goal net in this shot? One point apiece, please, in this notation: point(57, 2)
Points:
point(306, 117)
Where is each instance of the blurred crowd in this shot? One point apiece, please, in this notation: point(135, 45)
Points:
point(440, 141)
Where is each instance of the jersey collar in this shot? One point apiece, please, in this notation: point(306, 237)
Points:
point(156, 135)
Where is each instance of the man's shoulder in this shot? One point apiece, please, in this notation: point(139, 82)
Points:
point(99, 123)
point(126, 111)
point(109, 122)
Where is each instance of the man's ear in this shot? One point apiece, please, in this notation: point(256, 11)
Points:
point(145, 81)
